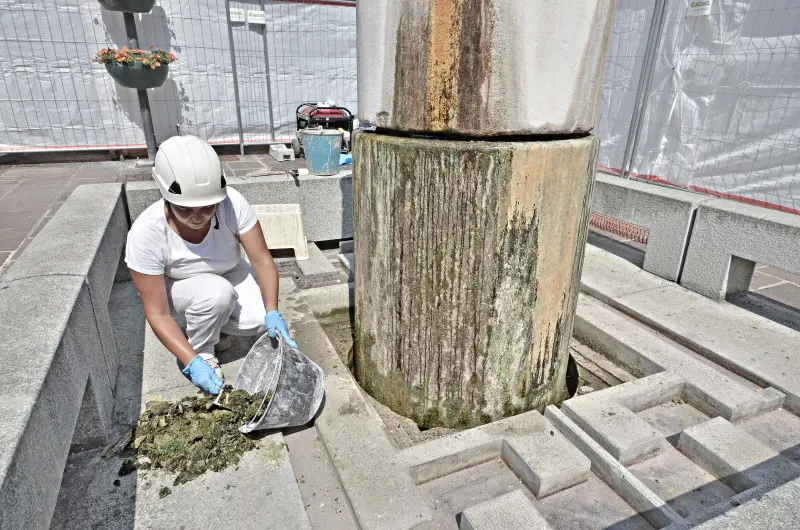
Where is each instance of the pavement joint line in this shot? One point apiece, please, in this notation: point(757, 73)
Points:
point(782, 282)
point(641, 498)
point(610, 299)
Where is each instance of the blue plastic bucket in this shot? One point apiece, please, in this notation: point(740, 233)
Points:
point(322, 148)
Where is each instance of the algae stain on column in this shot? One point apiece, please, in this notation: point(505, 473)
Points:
point(457, 321)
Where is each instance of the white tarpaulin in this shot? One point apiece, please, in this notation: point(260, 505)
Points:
point(723, 112)
point(53, 97)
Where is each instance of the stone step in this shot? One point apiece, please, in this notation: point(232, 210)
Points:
point(734, 456)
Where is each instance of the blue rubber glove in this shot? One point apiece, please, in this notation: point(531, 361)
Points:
point(203, 376)
point(275, 322)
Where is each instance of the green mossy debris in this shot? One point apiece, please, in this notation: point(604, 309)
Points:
point(193, 435)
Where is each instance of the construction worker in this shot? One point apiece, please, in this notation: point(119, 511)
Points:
point(184, 257)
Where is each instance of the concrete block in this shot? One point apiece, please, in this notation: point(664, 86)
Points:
point(643, 393)
point(546, 463)
point(420, 68)
point(282, 225)
point(734, 456)
point(620, 479)
point(281, 152)
point(50, 348)
point(438, 458)
point(745, 343)
point(531, 447)
point(326, 202)
point(317, 263)
point(621, 432)
point(512, 510)
point(667, 213)
point(729, 238)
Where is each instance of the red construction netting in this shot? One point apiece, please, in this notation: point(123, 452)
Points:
point(620, 228)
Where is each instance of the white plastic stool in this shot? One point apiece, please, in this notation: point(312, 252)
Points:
point(282, 225)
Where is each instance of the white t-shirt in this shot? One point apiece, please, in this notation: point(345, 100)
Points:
point(154, 248)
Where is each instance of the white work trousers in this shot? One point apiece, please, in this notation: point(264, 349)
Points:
point(209, 304)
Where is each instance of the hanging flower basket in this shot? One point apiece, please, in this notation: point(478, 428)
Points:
point(133, 6)
point(136, 68)
point(138, 76)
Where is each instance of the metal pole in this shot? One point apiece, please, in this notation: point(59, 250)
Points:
point(144, 101)
point(269, 80)
point(235, 79)
point(645, 80)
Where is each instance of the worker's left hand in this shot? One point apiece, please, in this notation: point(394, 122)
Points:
point(275, 322)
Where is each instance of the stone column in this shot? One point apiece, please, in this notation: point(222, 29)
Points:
point(469, 239)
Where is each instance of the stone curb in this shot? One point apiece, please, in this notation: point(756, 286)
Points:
point(729, 238)
point(622, 481)
point(58, 350)
point(667, 213)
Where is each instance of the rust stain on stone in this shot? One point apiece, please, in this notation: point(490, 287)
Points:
point(550, 186)
point(475, 65)
point(410, 76)
point(443, 59)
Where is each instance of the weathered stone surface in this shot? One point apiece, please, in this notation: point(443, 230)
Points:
point(512, 510)
point(325, 201)
point(729, 238)
point(734, 456)
point(468, 256)
point(666, 212)
point(482, 67)
point(620, 432)
point(84, 239)
point(50, 349)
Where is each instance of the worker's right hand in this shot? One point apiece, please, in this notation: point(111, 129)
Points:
point(203, 375)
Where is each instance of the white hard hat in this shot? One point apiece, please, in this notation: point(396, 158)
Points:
point(188, 172)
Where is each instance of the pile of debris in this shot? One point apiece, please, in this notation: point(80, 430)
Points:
point(193, 435)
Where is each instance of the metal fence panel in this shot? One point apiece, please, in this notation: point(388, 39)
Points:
point(52, 96)
point(311, 50)
point(629, 40)
point(723, 116)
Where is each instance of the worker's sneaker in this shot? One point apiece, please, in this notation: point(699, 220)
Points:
point(223, 344)
point(214, 363)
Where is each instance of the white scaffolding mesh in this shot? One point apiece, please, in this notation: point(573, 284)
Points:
point(723, 110)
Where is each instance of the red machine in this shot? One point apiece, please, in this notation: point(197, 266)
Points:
point(312, 115)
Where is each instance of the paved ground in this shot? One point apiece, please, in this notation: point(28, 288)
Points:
point(30, 194)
